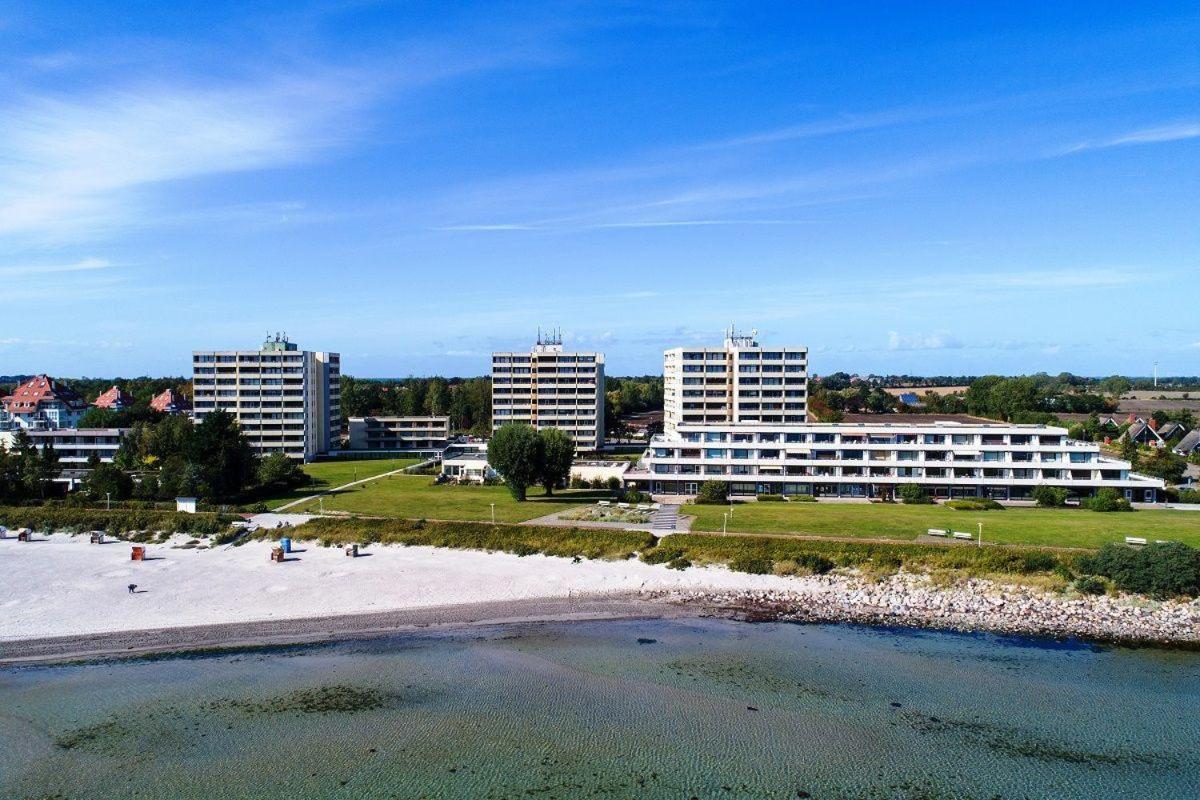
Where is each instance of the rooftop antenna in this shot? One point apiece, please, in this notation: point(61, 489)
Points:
point(1155, 374)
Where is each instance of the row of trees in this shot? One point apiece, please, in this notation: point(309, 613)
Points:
point(526, 457)
point(26, 473)
point(173, 457)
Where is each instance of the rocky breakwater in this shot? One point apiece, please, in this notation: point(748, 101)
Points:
point(971, 605)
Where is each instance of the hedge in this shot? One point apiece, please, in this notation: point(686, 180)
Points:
point(117, 521)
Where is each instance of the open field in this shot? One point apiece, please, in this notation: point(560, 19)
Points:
point(417, 497)
point(328, 474)
point(1046, 527)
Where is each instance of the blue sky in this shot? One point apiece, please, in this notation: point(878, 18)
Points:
point(903, 187)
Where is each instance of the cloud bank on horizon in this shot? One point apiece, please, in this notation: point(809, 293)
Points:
point(901, 189)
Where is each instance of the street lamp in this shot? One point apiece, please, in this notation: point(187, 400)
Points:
point(493, 513)
point(108, 501)
point(725, 522)
point(980, 535)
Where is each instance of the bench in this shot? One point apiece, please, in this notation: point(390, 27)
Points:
point(936, 532)
point(1138, 540)
point(604, 503)
point(643, 507)
point(623, 505)
point(655, 506)
point(962, 535)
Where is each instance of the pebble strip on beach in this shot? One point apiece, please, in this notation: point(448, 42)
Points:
point(974, 605)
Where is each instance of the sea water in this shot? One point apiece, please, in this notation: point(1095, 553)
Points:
point(670, 709)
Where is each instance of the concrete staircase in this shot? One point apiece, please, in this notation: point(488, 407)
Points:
point(664, 520)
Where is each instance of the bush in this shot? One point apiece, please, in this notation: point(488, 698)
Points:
point(678, 563)
point(613, 484)
point(803, 498)
point(771, 498)
point(974, 504)
point(1162, 570)
point(1107, 500)
point(634, 496)
point(661, 554)
point(578, 482)
point(914, 494)
point(713, 493)
point(1090, 584)
point(753, 564)
point(116, 522)
point(1050, 496)
point(1189, 496)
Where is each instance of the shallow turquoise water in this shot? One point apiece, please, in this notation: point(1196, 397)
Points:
point(614, 709)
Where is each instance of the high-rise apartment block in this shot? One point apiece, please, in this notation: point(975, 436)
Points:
point(550, 388)
point(287, 400)
point(740, 381)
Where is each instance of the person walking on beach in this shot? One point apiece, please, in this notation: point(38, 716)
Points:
point(132, 586)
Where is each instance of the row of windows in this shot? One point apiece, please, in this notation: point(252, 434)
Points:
point(873, 438)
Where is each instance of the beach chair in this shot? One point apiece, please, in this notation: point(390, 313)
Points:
point(936, 532)
point(963, 535)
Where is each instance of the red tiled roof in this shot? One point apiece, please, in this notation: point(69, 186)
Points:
point(114, 398)
point(168, 402)
point(27, 397)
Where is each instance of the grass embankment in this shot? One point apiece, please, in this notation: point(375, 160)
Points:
point(754, 554)
point(1044, 527)
point(329, 474)
point(418, 497)
point(117, 522)
point(519, 539)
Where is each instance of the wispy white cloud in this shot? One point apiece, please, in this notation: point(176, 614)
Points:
point(83, 265)
point(940, 340)
point(70, 164)
point(1174, 132)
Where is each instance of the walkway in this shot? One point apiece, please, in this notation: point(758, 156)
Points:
point(665, 520)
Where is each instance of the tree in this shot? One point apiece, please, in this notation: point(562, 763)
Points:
point(108, 481)
point(221, 457)
point(558, 454)
point(913, 494)
point(1164, 464)
point(713, 493)
point(516, 452)
point(1129, 450)
point(1050, 496)
point(278, 472)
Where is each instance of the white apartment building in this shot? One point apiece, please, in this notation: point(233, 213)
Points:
point(399, 433)
point(952, 460)
point(74, 448)
point(286, 400)
point(739, 382)
point(550, 388)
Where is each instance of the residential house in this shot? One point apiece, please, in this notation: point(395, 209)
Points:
point(41, 403)
point(115, 399)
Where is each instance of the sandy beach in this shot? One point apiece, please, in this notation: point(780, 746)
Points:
point(66, 598)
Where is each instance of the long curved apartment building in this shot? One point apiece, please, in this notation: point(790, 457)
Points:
point(998, 461)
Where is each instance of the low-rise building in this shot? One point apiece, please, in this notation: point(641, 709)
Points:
point(951, 460)
point(115, 399)
point(468, 467)
point(74, 447)
point(170, 402)
point(399, 433)
point(41, 403)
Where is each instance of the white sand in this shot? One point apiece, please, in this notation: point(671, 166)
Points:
point(63, 585)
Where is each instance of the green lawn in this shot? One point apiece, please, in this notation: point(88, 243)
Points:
point(1033, 526)
point(328, 474)
point(417, 497)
